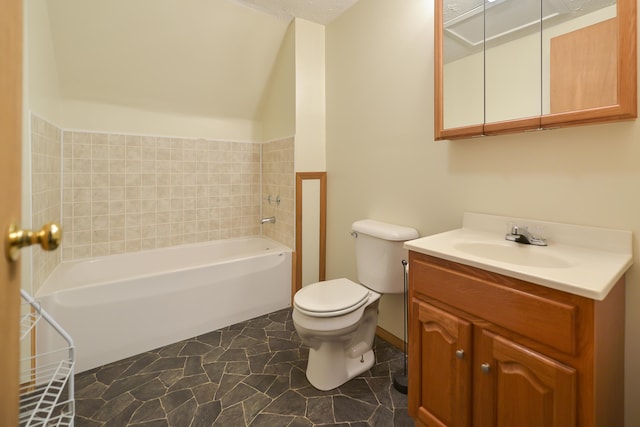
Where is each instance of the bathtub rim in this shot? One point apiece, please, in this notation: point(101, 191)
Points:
point(48, 289)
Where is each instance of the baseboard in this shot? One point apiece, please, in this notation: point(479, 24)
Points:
point(390, 338)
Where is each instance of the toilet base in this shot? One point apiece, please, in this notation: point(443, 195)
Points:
point(329, 368)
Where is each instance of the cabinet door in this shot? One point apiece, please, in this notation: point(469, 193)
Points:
point(515, 386)
point(492, 65)
point(444, 343)
point(459, 70)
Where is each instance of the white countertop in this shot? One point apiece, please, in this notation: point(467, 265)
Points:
point(585, 261)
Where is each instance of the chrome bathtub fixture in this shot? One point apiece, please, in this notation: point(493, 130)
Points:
point(269, 219)
point(520, 234)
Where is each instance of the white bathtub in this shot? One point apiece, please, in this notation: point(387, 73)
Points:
point(121, 305)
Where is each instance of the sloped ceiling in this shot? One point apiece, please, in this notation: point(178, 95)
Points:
point(209, 58)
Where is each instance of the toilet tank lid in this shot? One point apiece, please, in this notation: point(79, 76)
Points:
point(383, 230)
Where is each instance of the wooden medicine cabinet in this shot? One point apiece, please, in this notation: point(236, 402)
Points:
point(504, 66)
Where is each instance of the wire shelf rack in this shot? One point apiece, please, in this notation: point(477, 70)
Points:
point(47, 388)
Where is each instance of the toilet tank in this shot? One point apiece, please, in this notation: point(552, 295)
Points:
point(379, 254)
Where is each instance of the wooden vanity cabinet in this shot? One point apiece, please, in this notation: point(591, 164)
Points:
point(490, 350)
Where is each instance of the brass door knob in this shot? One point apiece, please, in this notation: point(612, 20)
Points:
point(48, 238)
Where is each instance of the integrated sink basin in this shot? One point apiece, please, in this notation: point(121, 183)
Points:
point(581, 260)
point(514, 253)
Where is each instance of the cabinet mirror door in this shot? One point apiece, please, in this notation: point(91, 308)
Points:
point(512, 61)
point(589, 62)
point(512, 65)
point(459, 70)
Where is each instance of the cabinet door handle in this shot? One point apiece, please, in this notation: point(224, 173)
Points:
point(485, 367)
point(460, 354)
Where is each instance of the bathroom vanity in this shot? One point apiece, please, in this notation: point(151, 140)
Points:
point(504, 334)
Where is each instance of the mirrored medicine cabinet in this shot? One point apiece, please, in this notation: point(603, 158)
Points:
point(504, 66)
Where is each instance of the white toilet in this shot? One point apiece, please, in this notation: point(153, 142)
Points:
point(337, 319)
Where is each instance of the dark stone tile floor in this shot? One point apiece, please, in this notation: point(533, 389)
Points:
point(248, 374)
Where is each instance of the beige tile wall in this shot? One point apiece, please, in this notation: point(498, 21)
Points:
point(124, 193)
point(46, 178)
point(278, 180)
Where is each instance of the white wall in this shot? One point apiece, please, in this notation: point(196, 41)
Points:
point(384, 163)
point(310, 147)
point(42, 90)
point(277, 110)
point(204, 76)
point(310, 97)
point(98, 117)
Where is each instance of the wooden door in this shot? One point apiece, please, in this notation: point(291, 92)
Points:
point(10, 148)
point(515, 386)
point(445, 364)
point(583, 68)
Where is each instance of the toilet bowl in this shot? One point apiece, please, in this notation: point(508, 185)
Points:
point(337, 320)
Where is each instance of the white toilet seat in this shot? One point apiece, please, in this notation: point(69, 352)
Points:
point(331, 298)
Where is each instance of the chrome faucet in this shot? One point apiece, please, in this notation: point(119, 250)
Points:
point(521, 234)
point(269, 219)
